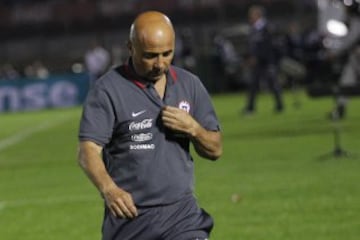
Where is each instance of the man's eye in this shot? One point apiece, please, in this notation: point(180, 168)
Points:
point(149, 56)
point(167, 54)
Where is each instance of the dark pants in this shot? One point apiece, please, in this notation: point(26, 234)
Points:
point(183, 220)
point(266, 73)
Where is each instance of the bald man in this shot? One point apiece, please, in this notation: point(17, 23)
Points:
point(136, 128)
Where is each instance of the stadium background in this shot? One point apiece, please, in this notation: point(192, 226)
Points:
point(278, 178)
point(43, 29)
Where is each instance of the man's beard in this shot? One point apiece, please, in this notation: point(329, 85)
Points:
point(154, 76)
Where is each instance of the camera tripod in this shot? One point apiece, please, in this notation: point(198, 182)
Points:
point(338, 151)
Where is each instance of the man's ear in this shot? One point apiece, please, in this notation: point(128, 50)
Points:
point(129, 46)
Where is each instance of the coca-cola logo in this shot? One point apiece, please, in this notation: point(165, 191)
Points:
point(144, 124)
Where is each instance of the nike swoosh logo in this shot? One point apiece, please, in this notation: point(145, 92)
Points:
point(135, 114)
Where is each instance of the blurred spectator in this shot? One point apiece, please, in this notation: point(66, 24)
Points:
point(118, 55)
point(262, 59)
point(41, 72)
point(8, 72)
point(317, 67)
point(36, 70)
point(97, 61)
point(185, 55)
point(292, 62)
point(292, 67)
point(227, 60)
point(349, 53)
point(29, 71)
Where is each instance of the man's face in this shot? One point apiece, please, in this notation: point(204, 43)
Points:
point(253, 16)
point(152, 55)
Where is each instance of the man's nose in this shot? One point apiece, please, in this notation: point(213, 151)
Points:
point(159, 62)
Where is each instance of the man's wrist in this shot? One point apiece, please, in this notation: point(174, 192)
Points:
point(106, 188)
point(195, 130)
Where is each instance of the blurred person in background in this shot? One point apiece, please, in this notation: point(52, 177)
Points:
point(262, 59)
point(41, 71)
point(349, 54)
point(137, 125)
point(118, 55)
point(227, 60)
point(319, 71)
point(97, 61)
point(185, 54)
point(36, 70)
point(292, 61)
point(291, 65)
point(8, 72)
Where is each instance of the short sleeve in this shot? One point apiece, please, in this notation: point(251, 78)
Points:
point(204, 111)
point(98, 117)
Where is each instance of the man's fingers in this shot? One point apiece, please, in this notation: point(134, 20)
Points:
point(120, 203)
point(124, 207)
point(129, 211)
point(116, 211)
point(171, 111)
point(171, 116)
point(168, 114)
point(113, 212)
point(130, 206)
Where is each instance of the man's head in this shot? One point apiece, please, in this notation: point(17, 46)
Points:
point(151, 44)
point(255, 13)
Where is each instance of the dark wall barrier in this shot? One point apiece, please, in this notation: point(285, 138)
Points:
point(57, 91)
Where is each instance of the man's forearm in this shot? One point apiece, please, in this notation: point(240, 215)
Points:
point(208, 144)
point(90, 161)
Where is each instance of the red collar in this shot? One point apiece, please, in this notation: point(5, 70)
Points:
point(131, 75)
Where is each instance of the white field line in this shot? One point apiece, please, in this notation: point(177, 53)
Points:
point(23, 134)
point(48, 201)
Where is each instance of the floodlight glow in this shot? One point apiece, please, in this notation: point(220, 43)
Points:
point(336, 28)
point(348, 2)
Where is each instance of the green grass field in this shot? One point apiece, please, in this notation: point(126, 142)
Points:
point(272, 164)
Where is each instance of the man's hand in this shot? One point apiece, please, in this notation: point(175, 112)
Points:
point(120, 202)
point(178, 120)
point(207, 143)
